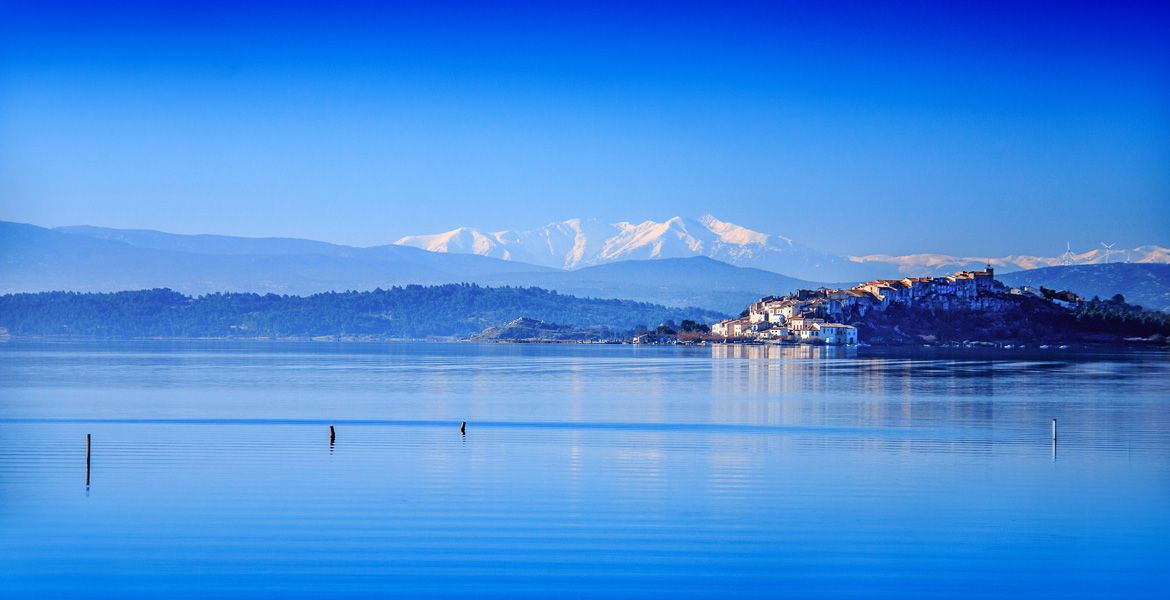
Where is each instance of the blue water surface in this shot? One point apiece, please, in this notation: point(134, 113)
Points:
point(585, 471)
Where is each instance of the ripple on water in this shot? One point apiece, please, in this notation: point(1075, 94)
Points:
point(584, 472)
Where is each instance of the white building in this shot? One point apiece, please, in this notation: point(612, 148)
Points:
point(832, 334)
point(837, 334)
point(776, 332)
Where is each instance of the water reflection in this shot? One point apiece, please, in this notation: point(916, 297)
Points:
point(733, 471)
point(815, 368)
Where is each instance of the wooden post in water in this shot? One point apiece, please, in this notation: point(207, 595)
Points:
point(332, 435)
point(87, 448)
point(1054, 430)
point(463, 428)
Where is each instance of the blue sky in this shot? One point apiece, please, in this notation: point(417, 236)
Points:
point(972, 128)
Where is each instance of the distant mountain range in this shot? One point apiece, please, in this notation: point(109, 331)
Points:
point(695, 281)
point(94, 259)
point(942, 264)
point(577, 243)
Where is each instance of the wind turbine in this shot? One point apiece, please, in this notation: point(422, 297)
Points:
point(1108, 250)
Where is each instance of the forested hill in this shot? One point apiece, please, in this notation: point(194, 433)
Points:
point(457, 310)
point(1147, 285)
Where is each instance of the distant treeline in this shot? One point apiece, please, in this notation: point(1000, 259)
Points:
point(414, 311)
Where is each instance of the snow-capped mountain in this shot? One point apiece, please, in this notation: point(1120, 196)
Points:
point(563, 245)
point(577, 243)
point(939, 264)
point(100, 259)
point(585, 242)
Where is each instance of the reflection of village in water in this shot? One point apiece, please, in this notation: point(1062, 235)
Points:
point(828, 386)
point(896, 397)
point(797, 387)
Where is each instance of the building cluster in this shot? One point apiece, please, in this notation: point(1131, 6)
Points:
point(819, 316)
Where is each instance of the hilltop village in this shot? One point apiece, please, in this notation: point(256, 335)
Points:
point(833, 316)
point(966, 309)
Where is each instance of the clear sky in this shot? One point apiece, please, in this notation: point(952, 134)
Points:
point(974, 128)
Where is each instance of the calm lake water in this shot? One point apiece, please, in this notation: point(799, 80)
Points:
point(586, 471)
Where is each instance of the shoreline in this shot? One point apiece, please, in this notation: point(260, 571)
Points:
point(326, 340)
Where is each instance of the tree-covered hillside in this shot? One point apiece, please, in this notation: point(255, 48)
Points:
point(1018, 319)
point(1147, 285)
point(413, 311)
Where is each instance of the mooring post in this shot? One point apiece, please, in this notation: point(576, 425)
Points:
point(332, 435)
point(1054, 430)
point(463, 428)
point(87, 449)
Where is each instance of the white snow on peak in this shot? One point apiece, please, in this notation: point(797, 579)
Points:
point(650, 239)
point(730, 233)
point(462, 240)
point(942, 263)
point(575, 243)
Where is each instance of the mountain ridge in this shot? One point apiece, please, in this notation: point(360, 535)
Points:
point(668, 281)
point(577, 243)
point(36, 259)
point(574, 244)
point(1147, 285)
point(98, 259)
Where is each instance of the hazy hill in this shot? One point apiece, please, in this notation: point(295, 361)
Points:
point(445, 267)
point(93, 259)
point(1147, 285)
point(38, 259)
point(697, 281)
point(208, 244)
point(99, 259)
